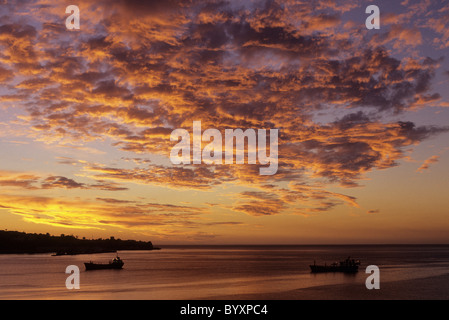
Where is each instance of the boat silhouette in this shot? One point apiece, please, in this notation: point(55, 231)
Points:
point(116, 263)
point(348, 266)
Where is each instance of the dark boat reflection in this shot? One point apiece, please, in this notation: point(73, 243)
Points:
point(347, 266)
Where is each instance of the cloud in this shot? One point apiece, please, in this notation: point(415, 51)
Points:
point(61, 182)
point(200, 177)
point(299, 199)
point(428, 162)
point(16, 179)
point(5, 74)
point(138, 70)
point(111, 200)
point(101, 213)
point(31, 181)
point(260, 203)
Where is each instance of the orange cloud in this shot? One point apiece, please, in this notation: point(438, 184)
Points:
point(108, 212)
point(138, 70)
point(428, 162)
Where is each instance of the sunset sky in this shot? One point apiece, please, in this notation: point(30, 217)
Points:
point(363, 119)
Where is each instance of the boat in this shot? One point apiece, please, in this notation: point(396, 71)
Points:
point(348, 266)
point(116, 263)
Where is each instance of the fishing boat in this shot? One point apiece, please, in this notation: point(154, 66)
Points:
point(116, 263)
point(348, 266)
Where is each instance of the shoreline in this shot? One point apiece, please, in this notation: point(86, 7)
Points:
point(56, 254)
point(415, 289)
point(15, 242)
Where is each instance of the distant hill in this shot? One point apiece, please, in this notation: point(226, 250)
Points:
point(21, 242)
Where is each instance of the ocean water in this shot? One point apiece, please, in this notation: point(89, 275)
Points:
point(209, 272)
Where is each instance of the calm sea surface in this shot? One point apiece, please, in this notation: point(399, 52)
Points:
point(205, 272)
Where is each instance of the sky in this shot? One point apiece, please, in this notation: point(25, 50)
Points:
point(86, 118)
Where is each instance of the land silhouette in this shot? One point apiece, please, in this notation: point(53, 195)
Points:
point(21, 242)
